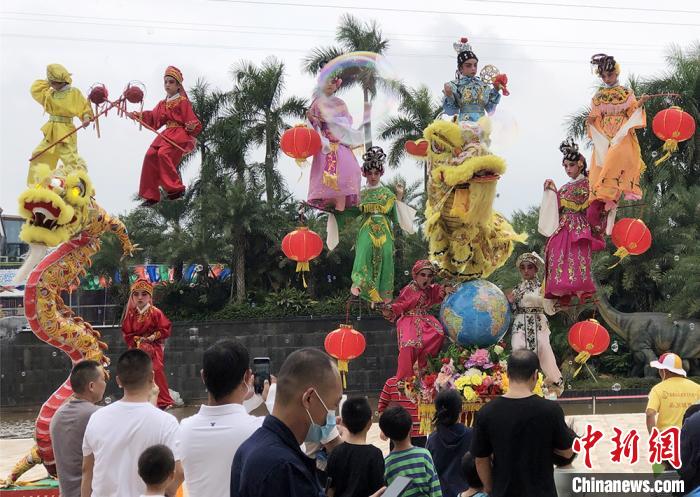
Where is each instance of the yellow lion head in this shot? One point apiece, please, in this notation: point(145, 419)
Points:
point(57, 207)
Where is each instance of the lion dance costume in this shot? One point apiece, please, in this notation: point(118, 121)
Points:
point(60, 211)
point(147, 329)
point(467, 240)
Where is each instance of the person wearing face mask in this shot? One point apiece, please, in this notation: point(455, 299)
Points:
point(209, 439)
point(572, 234)
point(468, 97)
point(530, 329)
point(420, 334)
point(615, 116)
point(271, 463)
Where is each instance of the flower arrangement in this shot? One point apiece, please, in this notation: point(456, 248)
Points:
point(478, 374)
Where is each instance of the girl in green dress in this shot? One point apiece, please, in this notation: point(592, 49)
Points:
point(381, 209)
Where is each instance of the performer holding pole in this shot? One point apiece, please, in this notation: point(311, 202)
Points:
point(62, 103)
point(160, 166)
point(145, 327)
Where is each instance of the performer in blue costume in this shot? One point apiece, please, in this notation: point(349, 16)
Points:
point(468, 96)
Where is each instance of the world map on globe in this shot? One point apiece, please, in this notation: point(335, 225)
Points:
point(477, 313)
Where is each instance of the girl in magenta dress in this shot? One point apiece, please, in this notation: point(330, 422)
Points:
point(572, 238)
point(419, 333)
point(335, 173)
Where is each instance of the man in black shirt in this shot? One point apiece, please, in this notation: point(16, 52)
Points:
point(517, 434)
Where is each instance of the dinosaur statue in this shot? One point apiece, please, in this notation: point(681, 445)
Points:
point(467, 240)
point(650, 334)
point(60, 211)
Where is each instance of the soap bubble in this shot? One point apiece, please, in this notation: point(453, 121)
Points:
point(668, 296)
point(676, 258)
point(23, 373)
point(614, 346)
point(504, 130)
point(654, 154)
point(54, 354)
point(405, 273)
point(568, 386)
point(616, 387)
point(108, 400)
point(691, 326)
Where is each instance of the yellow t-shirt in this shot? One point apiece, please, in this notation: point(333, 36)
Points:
point(671, 398)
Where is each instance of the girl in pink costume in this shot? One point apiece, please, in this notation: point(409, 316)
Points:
point(419, 333)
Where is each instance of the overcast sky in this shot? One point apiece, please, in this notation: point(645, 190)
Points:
point(543, 46)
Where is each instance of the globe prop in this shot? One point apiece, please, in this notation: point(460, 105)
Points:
point(477, 313)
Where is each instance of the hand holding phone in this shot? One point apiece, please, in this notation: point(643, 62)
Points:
point(261, 371)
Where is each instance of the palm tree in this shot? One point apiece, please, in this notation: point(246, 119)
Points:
point(353, 35)
point(258, 96)
point(418, 109)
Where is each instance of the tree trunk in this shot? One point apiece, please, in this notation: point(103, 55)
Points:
point(367, 119)
point(269, 168)
point(239, 271)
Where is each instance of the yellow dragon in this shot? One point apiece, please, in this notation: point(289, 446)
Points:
point(466, 238)
point(60, 211)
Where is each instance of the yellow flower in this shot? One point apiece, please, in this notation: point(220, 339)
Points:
point(461, 382)
point(504, 382)
point(476, 380)
point(469, 394)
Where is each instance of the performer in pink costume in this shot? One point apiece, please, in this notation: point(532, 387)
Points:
point(335, 174)
point(419, 334)
point(571, 236)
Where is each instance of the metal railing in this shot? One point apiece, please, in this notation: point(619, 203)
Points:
point(96, 315)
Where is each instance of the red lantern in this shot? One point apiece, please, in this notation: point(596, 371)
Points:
point(631, 237)
point(344, 344)
point(300, 143)
point(672, 126)
point(302, 245)
point(588, 338)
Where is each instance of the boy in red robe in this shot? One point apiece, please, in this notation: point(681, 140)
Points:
point(181, 127)
point(145, 327)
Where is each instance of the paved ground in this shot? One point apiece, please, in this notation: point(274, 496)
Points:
point(12, 450)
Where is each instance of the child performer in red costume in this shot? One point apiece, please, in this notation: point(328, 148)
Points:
point(145, 327)
point(181, 127)
point(419, 333)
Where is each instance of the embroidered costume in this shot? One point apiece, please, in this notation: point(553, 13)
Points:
point(530, 328)
point(335, 174)
point(471, 97)
point(616, 162)
point(572, 238)
point(138, 325)
point(162, 158)
point(419, 333)
point(61, 106)
point(373, 268)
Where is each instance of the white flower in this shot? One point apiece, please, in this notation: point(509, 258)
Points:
point(498, 349)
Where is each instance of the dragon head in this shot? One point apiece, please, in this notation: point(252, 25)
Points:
point(57, 206)
point(464, 174)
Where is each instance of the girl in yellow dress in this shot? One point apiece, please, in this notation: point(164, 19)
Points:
point(615, 115)
point(62, 103)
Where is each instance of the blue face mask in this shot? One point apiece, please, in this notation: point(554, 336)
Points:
point(317, 432)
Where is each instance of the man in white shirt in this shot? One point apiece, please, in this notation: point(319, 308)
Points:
point(117, 434)
point(208, 440)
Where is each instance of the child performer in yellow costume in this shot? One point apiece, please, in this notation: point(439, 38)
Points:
point(62, 103)
point(612, 123)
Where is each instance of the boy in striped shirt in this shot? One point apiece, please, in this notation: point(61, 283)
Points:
point(405, 459)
